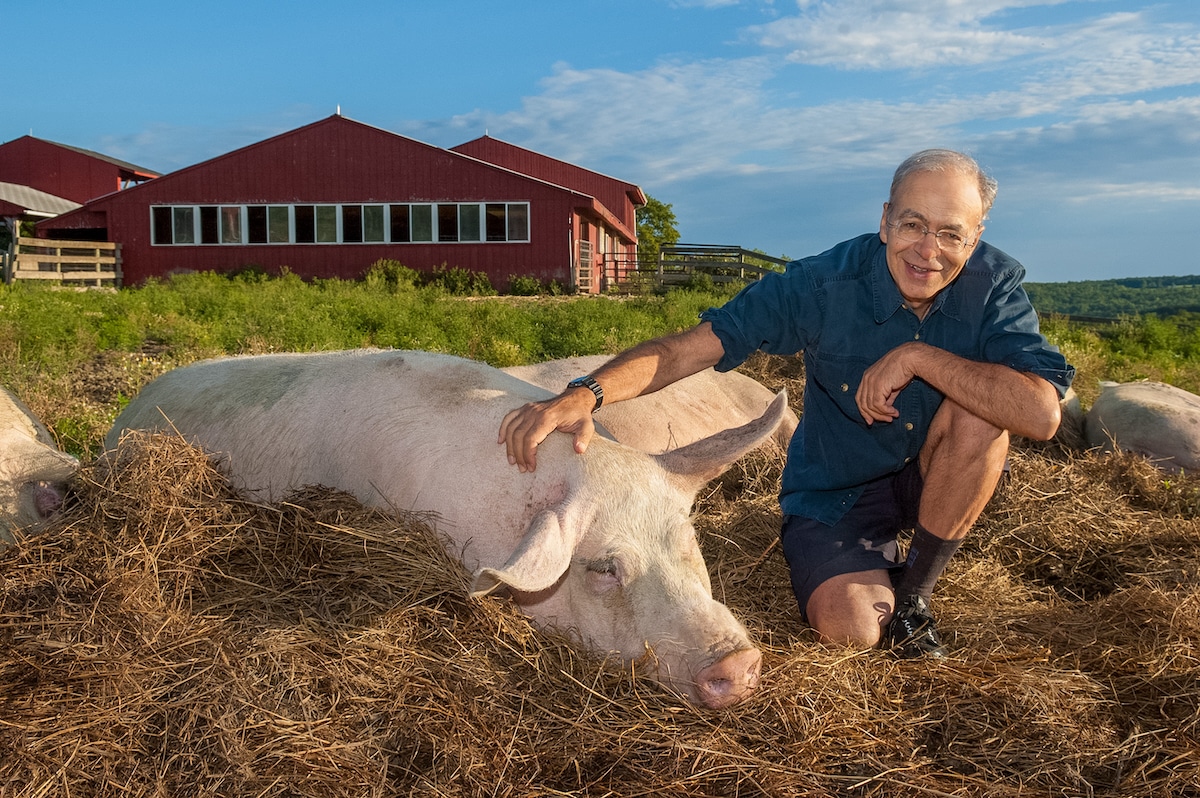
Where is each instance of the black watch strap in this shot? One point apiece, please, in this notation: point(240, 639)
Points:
point(591, 385)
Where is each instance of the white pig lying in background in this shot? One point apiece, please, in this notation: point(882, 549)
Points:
point(681, 413)
point(1150, 418)
point(33, 472)
point(598, 544)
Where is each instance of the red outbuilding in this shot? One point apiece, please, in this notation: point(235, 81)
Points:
point(332, 197)
point(68, 172)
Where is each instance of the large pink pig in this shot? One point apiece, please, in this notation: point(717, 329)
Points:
point(599, 544)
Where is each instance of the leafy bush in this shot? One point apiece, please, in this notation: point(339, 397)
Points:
point(524, 285)
point(458, 281)
point(391, 275)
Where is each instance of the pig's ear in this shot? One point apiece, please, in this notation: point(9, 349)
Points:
point(695, 464)
point(37, 462)
point(541, 558)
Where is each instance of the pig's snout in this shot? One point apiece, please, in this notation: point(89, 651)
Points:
point(730, 679)
point(47, 499)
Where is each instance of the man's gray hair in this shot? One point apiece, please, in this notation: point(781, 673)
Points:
point(937, 160)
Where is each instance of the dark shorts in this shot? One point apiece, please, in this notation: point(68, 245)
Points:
point(863, 540)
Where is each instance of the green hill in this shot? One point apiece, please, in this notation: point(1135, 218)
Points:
point(1129, 296)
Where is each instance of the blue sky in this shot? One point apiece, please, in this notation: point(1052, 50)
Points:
point(770, 125)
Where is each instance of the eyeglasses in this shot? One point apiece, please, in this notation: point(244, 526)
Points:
point(948, 241)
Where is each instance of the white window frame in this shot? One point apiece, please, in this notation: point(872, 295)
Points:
point(385, 208)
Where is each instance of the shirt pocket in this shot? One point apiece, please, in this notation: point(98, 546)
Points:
point(837, 377)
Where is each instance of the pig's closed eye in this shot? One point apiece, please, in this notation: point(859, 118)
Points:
point(604, 573)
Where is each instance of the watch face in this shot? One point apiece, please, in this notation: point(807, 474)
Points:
point(591, 385)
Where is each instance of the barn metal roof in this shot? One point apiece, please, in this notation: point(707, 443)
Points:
point(35, 202)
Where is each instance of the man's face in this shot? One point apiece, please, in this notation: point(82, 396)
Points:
point(940, 202)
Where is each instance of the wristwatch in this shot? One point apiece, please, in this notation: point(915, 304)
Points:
point(591, 385)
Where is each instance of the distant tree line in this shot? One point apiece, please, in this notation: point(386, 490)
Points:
point(1128, 296)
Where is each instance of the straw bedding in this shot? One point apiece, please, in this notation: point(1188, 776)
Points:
point(168, 638)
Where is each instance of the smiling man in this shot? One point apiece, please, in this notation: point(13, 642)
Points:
point(922, 354)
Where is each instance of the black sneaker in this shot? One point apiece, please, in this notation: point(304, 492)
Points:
point(912, 632)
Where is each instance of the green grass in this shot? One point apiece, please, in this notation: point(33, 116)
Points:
point(200, 315)
point(56, 345)
point(1135, 348)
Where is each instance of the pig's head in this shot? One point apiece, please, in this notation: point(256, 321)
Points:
point(32, 481)
point(617, 564)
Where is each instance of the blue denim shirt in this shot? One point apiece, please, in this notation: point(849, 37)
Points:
point(843, 311)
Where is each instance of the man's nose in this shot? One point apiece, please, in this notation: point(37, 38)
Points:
point(928, 246)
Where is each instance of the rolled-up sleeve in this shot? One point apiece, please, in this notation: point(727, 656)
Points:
point(1012, 335)
point(771, 315)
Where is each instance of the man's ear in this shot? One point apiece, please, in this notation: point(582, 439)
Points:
point(883, 220)
point(978, 235)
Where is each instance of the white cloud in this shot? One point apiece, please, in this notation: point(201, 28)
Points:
point(1108, 54)
point(866, 34)
point(1155, 192)
point(1097, 115)
point(677, 120)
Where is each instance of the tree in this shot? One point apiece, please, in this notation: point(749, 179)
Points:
point(655, 227)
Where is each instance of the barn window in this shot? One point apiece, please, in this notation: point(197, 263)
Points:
point(447, 222)
point(267, 224)
point(400, 226)
point(160, 224)
point(468, 222)
point(210, 225)
point(184, 226)
point(327, 219)
point(372, 217)
point(507, 221)
point(352, 223)
point(422, 222)
point(518, 221)
point(306, 224)
point(497, 229)
point(231, 224)
point(443, 222)
point(256, 224)
point(277, 224)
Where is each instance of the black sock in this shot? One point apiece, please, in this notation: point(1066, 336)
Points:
point(927, 558)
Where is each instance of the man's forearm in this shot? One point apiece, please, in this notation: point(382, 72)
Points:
point(1022, 403)
point(657, 363)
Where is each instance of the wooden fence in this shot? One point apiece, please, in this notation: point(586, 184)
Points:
point(680, 263)
point(65, 262)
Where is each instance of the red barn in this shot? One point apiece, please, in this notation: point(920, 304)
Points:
point(68, 172)
point(331, 198)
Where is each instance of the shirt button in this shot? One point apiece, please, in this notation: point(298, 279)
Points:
point(908, 426)
point(907, 459)
point(917, 337)
point(845, 387)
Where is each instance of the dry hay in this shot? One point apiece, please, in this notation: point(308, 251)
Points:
point(167, 638)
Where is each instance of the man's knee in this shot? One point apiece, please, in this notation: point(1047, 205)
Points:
point(851, 609)
point(956, 428)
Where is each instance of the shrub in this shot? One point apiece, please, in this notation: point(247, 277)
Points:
point(458, 281)
point(391, 275)
point(528, 285)
point(700, 281)
point(524, 285)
